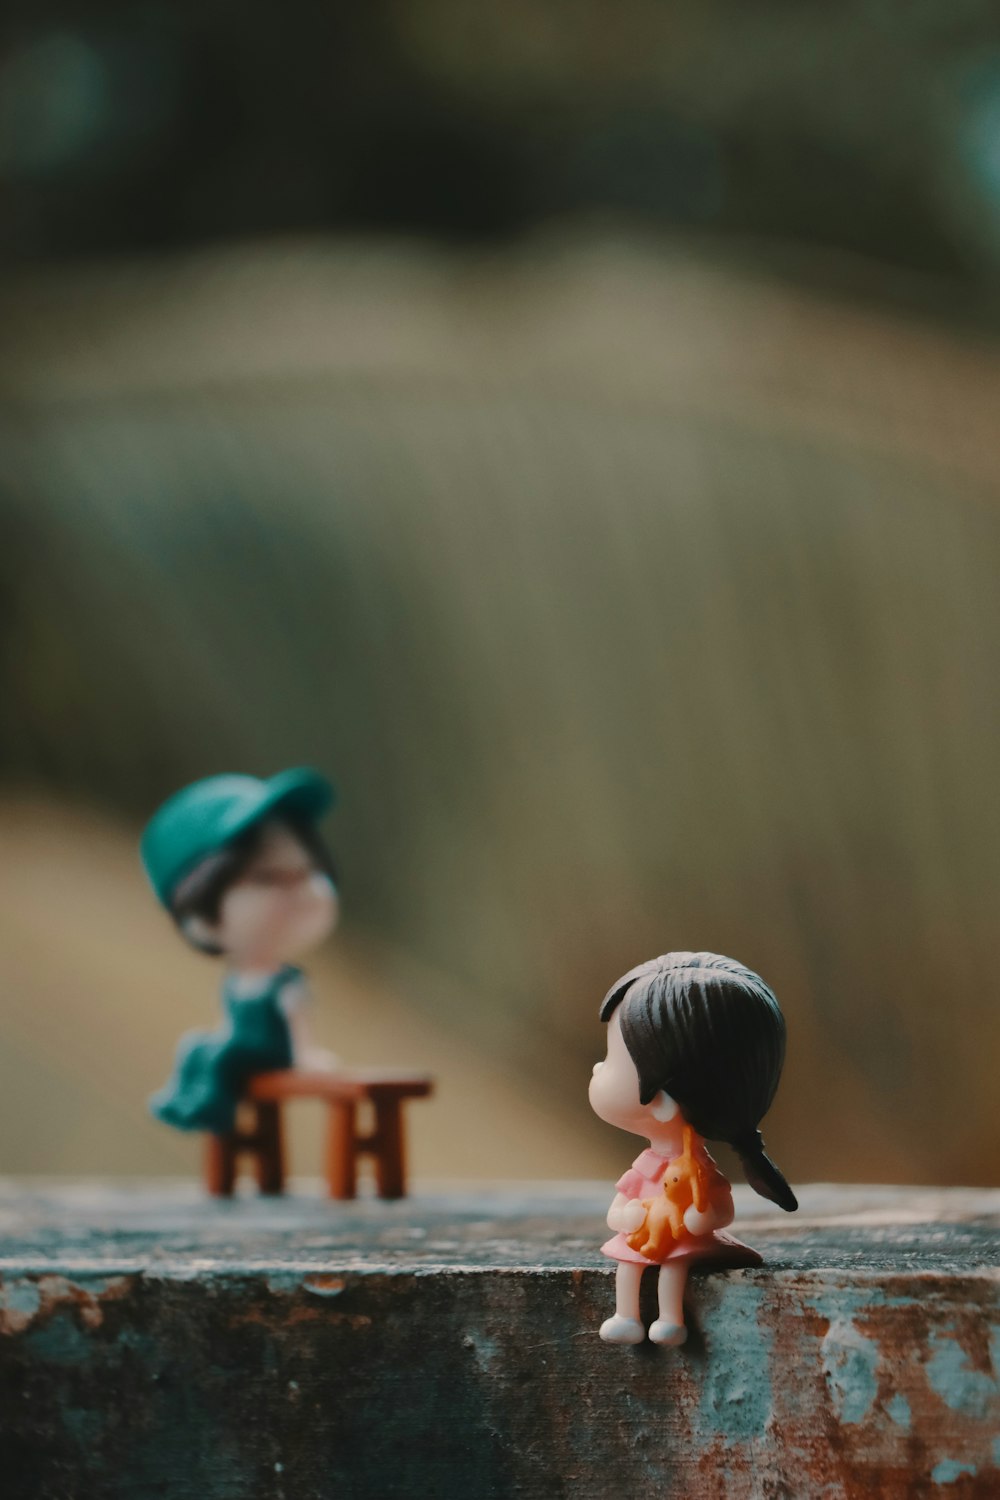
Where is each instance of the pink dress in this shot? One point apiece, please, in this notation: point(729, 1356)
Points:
point(644, 1179)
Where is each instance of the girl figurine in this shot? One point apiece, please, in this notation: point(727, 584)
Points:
point(241, 868)
point(695, 1048)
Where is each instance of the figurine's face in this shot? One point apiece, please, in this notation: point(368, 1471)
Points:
point(614, 1090)
point(279, 908)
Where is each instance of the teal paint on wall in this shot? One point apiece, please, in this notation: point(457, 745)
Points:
point(62, 1341)
point(850, 1360)
point(959, 1386)
point(899, 1410)
point(949, 1469)
point(19, 1302)
point(736, 1395)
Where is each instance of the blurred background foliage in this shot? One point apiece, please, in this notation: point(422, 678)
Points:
point(575, 427)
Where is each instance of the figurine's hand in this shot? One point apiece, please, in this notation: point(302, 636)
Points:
point(717, 1215)
point(699, 1223)
point(632, 1215)
point(625, 1215)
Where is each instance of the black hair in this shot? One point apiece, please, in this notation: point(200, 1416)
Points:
point(709, 1032)
point(200, 893)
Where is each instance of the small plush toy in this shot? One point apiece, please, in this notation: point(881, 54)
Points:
point(695, 1048)
point(239, 864)
point(691, 1180)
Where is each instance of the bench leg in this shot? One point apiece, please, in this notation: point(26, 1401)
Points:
point(341, 1147)
point(220, 1165)
point(269, 1162)
point(390, 1162)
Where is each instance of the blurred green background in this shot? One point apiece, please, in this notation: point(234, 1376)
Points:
point(575, 428)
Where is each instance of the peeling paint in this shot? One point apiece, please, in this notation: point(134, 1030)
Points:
point(324, 1286)
point(899, 1411)
point(281, 1283)
point(849, 1360)
point(962, 1388)
point(19, 1304)
point(949, 1469)
point(736, 1396)
point(485, 1351)
point(24, 1302)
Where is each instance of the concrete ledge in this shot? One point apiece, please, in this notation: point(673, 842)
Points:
point(158, 1345)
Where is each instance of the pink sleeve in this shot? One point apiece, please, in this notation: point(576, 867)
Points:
point(630, 1184)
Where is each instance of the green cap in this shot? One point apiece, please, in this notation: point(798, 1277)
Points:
point(202, 818)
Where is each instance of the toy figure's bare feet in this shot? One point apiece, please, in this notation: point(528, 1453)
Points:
point(619, 1330)
point(662, 1332)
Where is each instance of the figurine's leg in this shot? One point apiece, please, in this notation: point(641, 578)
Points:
point(624, 1327)
point(669, 1326)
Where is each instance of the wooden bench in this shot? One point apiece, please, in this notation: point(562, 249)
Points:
point(380, 1094)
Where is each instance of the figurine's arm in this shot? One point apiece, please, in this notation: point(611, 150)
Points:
point(717, 1215)
point(296, 1005)
point(625, 1214)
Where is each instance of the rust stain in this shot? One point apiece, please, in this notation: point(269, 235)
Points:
point(813, 1324)
point(252, 1313)
point(931, 1398)
point(33, 1300)
point(303, 1314)
point(324, 1286)
point(352, 1320)
point(266, 1317)
point(293, 1309)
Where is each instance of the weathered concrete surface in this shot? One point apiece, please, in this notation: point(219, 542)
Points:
point(155, 1345)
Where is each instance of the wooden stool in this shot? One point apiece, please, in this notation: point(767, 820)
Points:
point(343, 1093)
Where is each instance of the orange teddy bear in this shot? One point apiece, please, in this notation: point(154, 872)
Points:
point(691, 1179)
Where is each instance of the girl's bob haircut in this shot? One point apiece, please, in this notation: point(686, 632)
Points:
point(200, 893)
point(709, 1032)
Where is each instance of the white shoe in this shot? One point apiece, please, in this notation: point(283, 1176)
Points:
point(619, 1330)
point(662, 1332)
